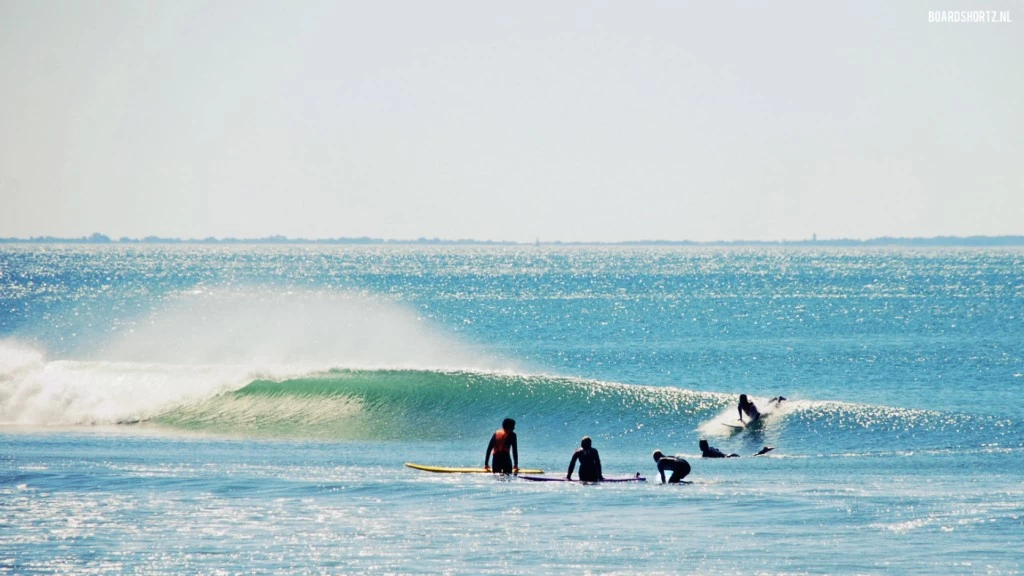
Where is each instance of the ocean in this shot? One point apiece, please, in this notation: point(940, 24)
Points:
point(175, 409)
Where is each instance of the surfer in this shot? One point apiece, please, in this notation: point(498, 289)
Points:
point(502, 442)
point(678, 466)
point(590, 462)
point(747, 407)
point(707, 451)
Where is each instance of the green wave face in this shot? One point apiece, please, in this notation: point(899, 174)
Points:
point(409, 404)
point(416, 405)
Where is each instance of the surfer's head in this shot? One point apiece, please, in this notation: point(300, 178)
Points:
point(585, 442)
point(658, 455)
point(743, 400)
point(703, 444)
point(508, 424)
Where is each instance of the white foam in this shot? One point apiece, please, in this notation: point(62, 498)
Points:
point(719, 425)
point(67, 392)
point(206, 342)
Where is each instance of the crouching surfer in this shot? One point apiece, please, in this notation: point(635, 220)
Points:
point(678, 466)
point(590, 462)
point(502, 443)
point(747, 407)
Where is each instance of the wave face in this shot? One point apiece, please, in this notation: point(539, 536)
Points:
point(448, 405)
point(429, 405)
point(408, 404)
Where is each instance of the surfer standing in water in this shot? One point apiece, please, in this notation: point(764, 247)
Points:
point(590, 462)
point(747, 407)
point(502, 442)
point(679, 467)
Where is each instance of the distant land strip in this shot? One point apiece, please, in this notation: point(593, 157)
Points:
point(363, 240)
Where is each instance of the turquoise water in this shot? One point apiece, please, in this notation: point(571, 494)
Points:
point(204, 409)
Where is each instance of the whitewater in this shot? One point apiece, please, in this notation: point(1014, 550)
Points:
point(170, 409)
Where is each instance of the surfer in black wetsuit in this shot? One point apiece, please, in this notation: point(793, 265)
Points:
point(590, 462)
point(502, 442)
point(747, 407)
point(679, 467)
point(707, 451)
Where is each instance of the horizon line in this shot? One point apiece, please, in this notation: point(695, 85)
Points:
point(98, 238)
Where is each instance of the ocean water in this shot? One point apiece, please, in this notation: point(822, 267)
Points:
point(248, 409)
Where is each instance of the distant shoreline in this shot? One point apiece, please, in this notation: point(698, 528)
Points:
point(947, 241)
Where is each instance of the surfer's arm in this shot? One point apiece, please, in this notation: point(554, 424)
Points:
point(487, 456)
point(515, 452)
point(572, 465)
point(661, 470)
point(597, 459)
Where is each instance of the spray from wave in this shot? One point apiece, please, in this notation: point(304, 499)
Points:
point(206, 342)
point(293, 328)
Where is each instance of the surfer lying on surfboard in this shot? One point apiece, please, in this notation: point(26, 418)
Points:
point(707, 451)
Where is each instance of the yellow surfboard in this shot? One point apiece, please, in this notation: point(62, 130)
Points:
point(480, 470)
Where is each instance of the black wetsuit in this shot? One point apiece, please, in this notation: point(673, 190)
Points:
point(679, 468)
point(753, 415)
point(503, 449)
point(590, 464)
point(713, 452)
point(501, 463)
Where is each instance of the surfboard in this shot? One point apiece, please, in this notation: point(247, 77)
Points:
point(740, 425)
point(637, 478)
point(450, 470)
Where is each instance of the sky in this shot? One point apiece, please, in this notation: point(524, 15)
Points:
point(571, 121)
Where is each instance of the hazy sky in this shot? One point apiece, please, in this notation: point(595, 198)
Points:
point(575, 120)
